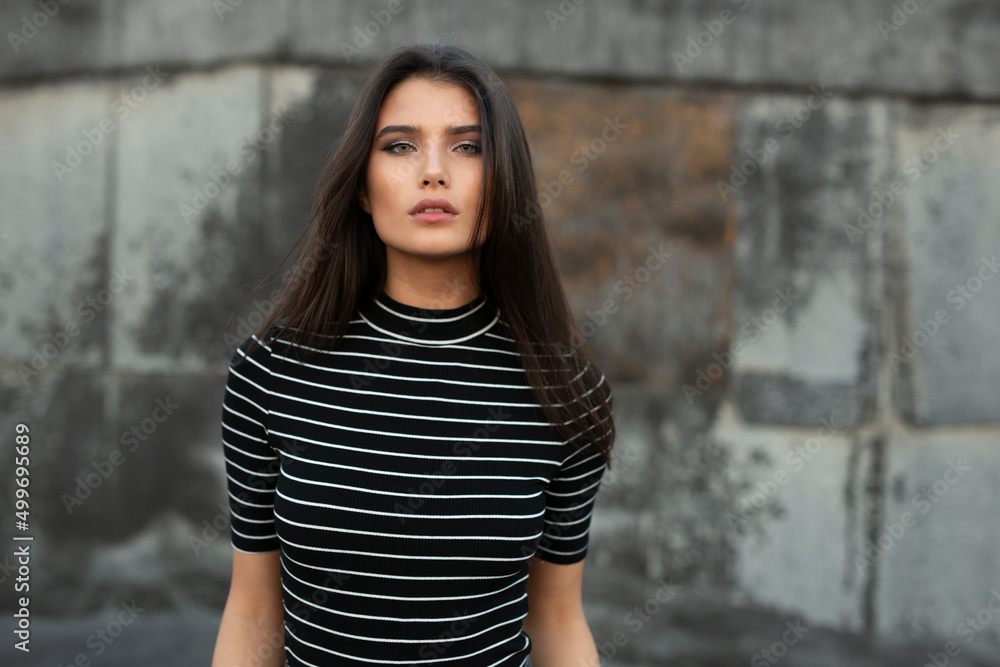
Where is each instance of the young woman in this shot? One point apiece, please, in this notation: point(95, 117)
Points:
point(415, 437)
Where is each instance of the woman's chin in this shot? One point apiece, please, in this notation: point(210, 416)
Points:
point(432, 252)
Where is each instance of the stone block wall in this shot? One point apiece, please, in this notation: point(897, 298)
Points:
point(792, 206)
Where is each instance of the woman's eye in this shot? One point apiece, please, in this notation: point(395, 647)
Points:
point(392, 147)
point(468, 149)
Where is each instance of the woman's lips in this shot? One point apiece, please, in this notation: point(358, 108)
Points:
point(433, 217)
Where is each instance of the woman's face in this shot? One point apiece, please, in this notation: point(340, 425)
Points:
point(427, 145)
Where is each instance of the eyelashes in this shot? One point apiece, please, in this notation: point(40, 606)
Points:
point(390, 148)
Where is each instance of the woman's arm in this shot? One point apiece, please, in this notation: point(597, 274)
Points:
point(560, 636)
point(253, 623)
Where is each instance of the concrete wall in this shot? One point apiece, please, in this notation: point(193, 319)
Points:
point(809, 422)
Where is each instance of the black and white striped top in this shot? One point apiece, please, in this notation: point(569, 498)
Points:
point(407, 476)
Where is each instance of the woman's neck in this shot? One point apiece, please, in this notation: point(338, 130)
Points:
point(431, 285)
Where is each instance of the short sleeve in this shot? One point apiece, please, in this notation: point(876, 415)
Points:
point(570, 498)
point(251, 463)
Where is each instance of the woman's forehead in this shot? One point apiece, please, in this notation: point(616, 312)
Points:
point(428, 104)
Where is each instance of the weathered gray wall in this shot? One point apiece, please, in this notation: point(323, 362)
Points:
point(766, 443)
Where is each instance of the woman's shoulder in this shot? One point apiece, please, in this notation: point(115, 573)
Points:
point(257, 347)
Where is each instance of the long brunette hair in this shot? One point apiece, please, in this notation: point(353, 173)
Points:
point(342, 266)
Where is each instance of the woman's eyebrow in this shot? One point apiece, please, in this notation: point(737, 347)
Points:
point(454, 129)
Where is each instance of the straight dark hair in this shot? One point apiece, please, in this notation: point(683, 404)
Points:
point(342, 266)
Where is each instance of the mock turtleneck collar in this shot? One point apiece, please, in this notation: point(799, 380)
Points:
point(434, 327)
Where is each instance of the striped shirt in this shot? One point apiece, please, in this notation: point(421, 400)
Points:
point(407, 476)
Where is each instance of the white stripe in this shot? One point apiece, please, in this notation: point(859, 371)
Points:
point(401, 415)
point(237, 516)
point(413, 516)
point(247, 504)
point(399, 556)
point(395, 662)
point(379, 339)
point(346, 371)
point(425, 362)
point(245, 435)
point(488, 538)
point(408, 619)
point(383, 575)
point(414, 436)
point(560, 553)
point(246, 453)
point(249, 488)
point(251, 537)
point(430, 342)
point(418, 475)
point(240, 414)
point(390, 493)
point(252, 472)
point(397, 395)
point(386, 307)
point(569, 523)
point(403, 597)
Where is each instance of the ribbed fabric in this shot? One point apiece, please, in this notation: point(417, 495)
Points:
point(407, 477)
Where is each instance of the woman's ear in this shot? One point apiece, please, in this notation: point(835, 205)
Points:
point(363, 200)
